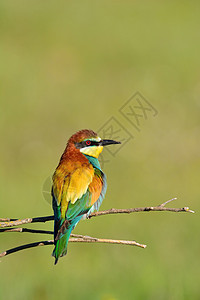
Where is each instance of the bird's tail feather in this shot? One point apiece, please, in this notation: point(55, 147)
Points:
point(61, 245)
point(62, 237)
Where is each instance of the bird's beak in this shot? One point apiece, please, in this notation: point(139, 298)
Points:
point(108, 142)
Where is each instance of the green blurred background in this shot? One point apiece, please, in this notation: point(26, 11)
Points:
point(69, 65)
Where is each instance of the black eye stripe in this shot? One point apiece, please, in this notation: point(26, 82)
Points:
point(83, 144)
point(94, 143)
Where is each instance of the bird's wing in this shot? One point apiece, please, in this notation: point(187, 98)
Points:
point(71, 188)
point(94, 193)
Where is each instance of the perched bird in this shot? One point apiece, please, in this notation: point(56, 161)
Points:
point(79, 185)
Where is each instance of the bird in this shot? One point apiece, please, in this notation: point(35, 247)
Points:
point(79, 185)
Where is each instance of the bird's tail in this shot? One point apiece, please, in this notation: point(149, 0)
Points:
point(61, 245)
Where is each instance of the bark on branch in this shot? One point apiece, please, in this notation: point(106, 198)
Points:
point(16, 222)
point(8, 225)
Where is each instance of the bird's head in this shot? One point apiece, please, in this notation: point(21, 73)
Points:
point(89, 143)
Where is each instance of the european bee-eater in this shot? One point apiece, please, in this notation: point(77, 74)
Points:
point(79, 185)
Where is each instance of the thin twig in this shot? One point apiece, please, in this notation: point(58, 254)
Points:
point(83, 239)
point(168, 201)
point(31, 245)
point(109, 241)
point(161, 207)
point(17, 222)
point(20, 229)
point(7, 220)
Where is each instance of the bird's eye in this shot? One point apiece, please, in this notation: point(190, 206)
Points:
point(88, 143)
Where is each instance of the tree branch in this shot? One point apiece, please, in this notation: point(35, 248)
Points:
point(7, 220)
point(79, 238)
point(160, 207)
point(7, 225)
point(16, 222)
point(18, 229)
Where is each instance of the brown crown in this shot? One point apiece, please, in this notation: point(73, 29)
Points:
point(81, 135)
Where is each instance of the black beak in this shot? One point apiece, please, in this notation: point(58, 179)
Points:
point(108, 142)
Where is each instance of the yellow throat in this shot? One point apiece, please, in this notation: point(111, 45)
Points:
point(92, 151)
